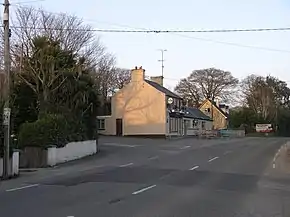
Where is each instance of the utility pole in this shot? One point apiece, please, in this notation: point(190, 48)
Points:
point(6, 94)
point(162, 61)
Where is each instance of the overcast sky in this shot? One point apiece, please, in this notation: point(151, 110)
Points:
point(187, 52)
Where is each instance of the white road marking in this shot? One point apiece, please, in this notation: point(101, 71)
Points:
point(143, 189)
point(153, 158)
point(91, 168)
point(227, 152)
point(126, 165)
point(120, 145)
point(210, 160)
point(185, 147)
point(194, 168)
point(24, 187)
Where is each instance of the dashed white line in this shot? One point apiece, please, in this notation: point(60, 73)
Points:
point(153, 158)
point(126, 165)
point(92, 168)
point(143, 189)
point(210, 160)
point(185, 147)
point(194, 168)
point(120, 145)
point(20, 188)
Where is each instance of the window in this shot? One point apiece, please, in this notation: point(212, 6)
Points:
point(194, 123)
point(101, 124)
point(203, 125)
point(173, 125)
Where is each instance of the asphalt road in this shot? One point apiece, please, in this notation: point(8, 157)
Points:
point(156, 178)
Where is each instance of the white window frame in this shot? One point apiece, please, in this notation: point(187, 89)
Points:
point(194, 124)
point(101, 124)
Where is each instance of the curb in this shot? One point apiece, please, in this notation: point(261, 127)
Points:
point(283, 147)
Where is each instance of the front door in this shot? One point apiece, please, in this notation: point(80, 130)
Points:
point(185, 127)
point(119, 127)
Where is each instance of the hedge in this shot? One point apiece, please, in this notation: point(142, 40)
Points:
point(51, 129)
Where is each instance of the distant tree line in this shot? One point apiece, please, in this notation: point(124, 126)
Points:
point(260, 99)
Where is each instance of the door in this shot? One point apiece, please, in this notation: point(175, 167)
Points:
point(185, 124)
point(119, 127)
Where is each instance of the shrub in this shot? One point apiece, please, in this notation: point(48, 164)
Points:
point(50, 129)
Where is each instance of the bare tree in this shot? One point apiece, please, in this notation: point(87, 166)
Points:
point(70, 31)
point(264, 95)
point(122, 77)
point(206, 84)
point(105, 75)
point(189, 92)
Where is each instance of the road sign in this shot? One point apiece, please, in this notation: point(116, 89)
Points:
point(264, 128)
point(6, 116)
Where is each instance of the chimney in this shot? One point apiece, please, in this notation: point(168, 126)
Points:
point(227, 109)
point(157, 79)
point(217, 103)
point(137, 75)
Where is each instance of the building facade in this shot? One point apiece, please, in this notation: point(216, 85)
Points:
point(145, 107)
point(218, 112)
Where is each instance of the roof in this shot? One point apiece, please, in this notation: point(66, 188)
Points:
point(195, 113)
point(163, 89)
point(218, 108)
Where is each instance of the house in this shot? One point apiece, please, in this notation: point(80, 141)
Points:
point(196, 121)
point(218, 112)
point(145, 107)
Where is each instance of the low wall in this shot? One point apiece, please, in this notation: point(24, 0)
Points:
point(13, 165)
point(72, 151)
point(208, 134)
point(33, 157)
point(232, 133)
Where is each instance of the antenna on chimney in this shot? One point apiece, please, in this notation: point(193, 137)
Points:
point(162, 61)
point(136, 67)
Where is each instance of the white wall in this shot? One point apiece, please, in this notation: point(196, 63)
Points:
point(196, 130)
point(72, 151)
point(110, 125)
point(13, 166)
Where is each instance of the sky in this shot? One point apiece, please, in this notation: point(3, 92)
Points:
point(189, 51)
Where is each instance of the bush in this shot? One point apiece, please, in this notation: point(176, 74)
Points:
point(50, 129)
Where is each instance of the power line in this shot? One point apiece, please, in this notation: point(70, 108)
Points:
point(157, 31)
point(233, 44)
point(26, 2)
point(146, 30)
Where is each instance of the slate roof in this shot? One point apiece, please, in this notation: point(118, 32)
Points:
point(195, 113)
point(163, 89)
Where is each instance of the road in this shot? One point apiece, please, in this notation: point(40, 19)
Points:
point(187, 177)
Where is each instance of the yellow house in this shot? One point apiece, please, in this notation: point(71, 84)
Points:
point(145, 107)
point(218, 112)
